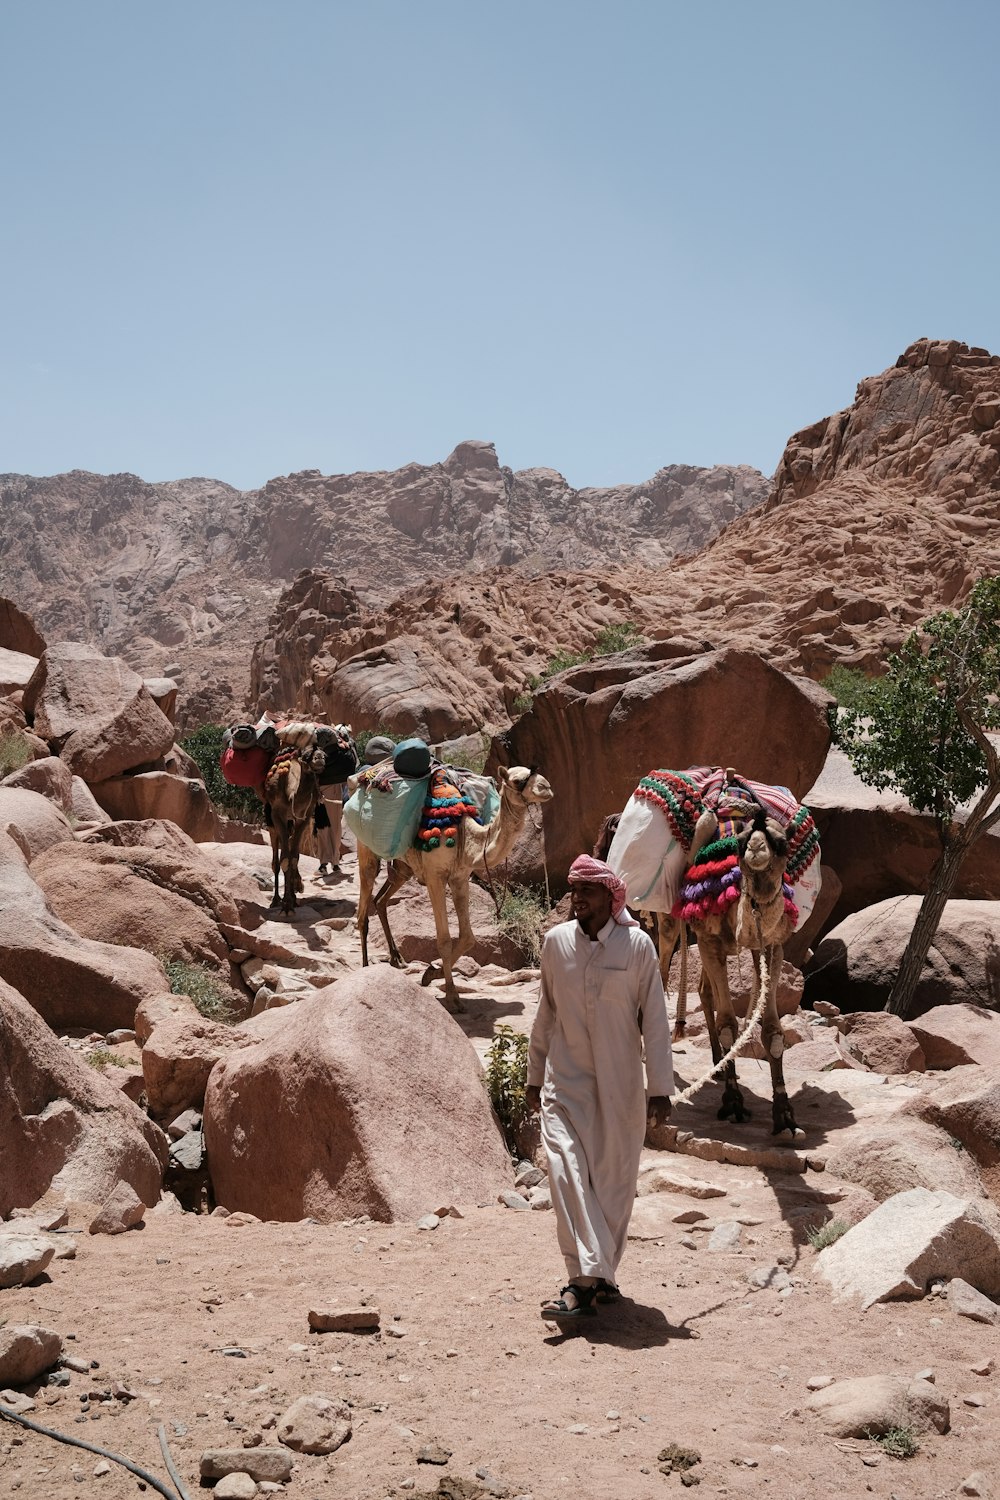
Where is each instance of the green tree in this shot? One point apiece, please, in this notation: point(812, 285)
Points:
point(205, 747)
point(923, 730)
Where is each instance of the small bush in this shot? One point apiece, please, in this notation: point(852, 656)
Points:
point(506, 1081)
point(103, 1057)
point(208, 992)
point(240, 802)
point(521, 917)
point(15, 752)
point(522, 703)
point(898, 1442)
point(618, 638)
point(851, 688)
point(827, 1234)
point(563, 660)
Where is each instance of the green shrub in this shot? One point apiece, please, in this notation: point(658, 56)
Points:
point(827, 1234)
point(506, 1081)
point(851, 688)
point(521, 917)
point(102, 1057)
point(563, 660)
point(240, 802)
point(522, 703)
point(15, 752)
point(618, 638)
point(211, 996)
point(898, 1442)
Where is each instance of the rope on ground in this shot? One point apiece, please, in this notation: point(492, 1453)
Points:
point(743, 1040)
point(169, 1461)
point(10, 1415)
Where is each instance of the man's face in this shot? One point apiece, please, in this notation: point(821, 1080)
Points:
point(591, 904)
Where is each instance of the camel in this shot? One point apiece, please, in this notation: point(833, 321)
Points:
point(758, 921)
point(479, 849)
point(291, 791)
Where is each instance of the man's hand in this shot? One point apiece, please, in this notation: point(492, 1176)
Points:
point(658, 1109)
point(533, 1098)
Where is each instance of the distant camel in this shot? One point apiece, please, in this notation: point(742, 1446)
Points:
point(291, 791)
point(479, 848)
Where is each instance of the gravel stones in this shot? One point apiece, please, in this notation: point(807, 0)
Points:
point(262, 1464)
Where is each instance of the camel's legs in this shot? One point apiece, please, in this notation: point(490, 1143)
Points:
point(782, 1114)
point(368, 868)
point(437, 891)
point(275, 858)
point(713, 964)
point(396, 876)
point(294, 830)
point(466, 940)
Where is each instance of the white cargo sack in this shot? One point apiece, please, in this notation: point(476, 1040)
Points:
point(645, 854)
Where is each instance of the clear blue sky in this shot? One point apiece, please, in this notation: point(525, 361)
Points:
point(243, 237)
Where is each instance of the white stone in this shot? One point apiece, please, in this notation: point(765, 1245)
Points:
point(975, 1484)
point(874, 1404)
point(725, 1236)
point(909, 1240)
point(23, 1256)
point(819, 1382)
point(513, 1200)
point(235, 1487)
point(968, 1303)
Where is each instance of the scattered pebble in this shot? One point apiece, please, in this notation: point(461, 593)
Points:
point(433, 1453)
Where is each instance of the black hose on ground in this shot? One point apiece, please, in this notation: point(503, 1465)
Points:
point(10, 1415)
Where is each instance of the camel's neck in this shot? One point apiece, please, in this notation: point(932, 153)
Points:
point(500, 836)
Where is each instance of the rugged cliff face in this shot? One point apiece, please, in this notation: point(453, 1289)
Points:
point(184, 575)
point(879, 515)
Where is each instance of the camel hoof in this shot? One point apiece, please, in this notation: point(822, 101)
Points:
point(453, 1005)
point(429, 975)
point(680, 1032)
point(784, 1118)
point(397, 962)
point(733, 1108)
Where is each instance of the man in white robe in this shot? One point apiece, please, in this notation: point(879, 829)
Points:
point(601, 999)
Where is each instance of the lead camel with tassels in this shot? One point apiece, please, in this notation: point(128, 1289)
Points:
point(738, 861)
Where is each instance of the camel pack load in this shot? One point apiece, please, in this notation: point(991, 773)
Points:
point(410, 800)
point(656, 832)
point(249, 750)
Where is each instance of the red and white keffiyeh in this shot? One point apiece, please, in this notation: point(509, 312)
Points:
point(588, 871)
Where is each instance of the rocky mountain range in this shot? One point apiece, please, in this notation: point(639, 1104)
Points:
point(181, 577)
point(878, 516)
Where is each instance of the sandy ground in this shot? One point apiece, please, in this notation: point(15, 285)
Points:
point(691, 1355)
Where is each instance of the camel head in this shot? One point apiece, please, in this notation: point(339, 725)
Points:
point(764, 846)
point(526, 782)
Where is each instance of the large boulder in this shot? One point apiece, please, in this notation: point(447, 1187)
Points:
point(18, 631)
point(64, 1127)
point(70, 980)
point(161, 851)
point(112, 894)
point(159, 795)
point(366, 1098)
point(95, 711)
point(16, 669)
point(910, 1240)
point(880, 847)
point(33, 821)
point(966, 1106)
point(855, 964)
point(954, 1035)
point(50, 776)
point(597, 729)
point(882, 1042)
point(178, 1056)
point(903, 1152)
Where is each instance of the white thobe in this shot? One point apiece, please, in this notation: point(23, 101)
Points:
point(586, 1049)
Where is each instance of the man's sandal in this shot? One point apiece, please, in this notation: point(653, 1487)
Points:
point(606, 1291)
point(573, 1302)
